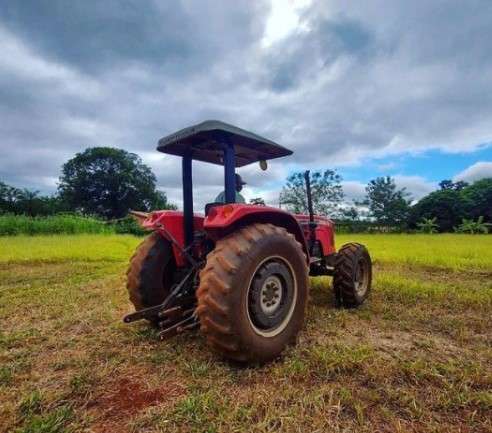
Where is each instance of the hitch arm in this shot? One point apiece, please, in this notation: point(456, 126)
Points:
point(150, 311)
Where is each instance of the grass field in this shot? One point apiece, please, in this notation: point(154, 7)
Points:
point(416, 357)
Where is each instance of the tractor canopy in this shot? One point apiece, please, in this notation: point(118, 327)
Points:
point(207, 140)
point(218, 143)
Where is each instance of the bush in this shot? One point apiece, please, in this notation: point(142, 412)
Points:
point(128, 225)
point(344, 226)
point(11, 225)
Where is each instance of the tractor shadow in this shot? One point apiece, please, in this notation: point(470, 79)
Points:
point(321, 293)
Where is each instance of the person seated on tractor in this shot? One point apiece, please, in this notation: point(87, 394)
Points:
point(239, 186)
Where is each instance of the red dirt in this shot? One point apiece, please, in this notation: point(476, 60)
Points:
point(125, 398)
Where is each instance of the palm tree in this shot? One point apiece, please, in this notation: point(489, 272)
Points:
point(473, 227)
point(28, 200)
point(428, 225)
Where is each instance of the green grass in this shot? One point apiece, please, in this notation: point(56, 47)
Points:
point(67, 248)
point(446, 251)
point(415, 357)
point(52, 422)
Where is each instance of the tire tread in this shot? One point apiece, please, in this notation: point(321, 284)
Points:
point(343, 276)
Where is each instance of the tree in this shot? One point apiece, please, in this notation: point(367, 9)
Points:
point(326, 191)
point(455, 186)
point(428, 225)
point(108, 182)
point(257, 201)
point(27, 202)
point(479, 199)
point(448, 206)
point(351, 213)
point(387, 204)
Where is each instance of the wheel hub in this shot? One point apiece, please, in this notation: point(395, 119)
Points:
point(271, 294)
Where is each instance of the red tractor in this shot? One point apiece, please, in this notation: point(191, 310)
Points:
point(240, 272)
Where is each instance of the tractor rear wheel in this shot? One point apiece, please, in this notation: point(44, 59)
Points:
point(150, 274)
point(353, 274)
point(253, 292)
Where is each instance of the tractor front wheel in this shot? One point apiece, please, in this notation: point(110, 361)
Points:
point(353, 274)
point(253, 292)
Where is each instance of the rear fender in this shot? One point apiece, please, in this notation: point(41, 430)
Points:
point(223, 220)
point(173, 223)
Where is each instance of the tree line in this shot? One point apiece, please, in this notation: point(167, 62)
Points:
point(107, 182)
point(455, 206)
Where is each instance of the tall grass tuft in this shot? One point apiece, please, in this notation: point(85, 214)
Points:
point(11, 225)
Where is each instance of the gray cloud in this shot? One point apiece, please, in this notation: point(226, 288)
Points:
point(96, 36)
point(354, 191)
point(306, 55)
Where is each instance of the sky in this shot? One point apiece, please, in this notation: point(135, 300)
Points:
point(369, 88)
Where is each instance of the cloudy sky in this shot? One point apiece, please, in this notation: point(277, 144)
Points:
point(371, 88)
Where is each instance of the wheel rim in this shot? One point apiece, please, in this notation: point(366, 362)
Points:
point(271, 297)
point(361, 280)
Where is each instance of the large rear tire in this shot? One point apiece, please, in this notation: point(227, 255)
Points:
point(253, 293)
point(353, 275)
point(150, 274)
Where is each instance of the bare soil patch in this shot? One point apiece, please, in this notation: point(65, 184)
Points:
point(126, 397)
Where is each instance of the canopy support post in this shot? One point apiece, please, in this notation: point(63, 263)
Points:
point(229, 172)
point(187, 199)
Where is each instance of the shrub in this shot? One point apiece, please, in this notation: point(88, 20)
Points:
point(129, 225)
point(11, 225)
